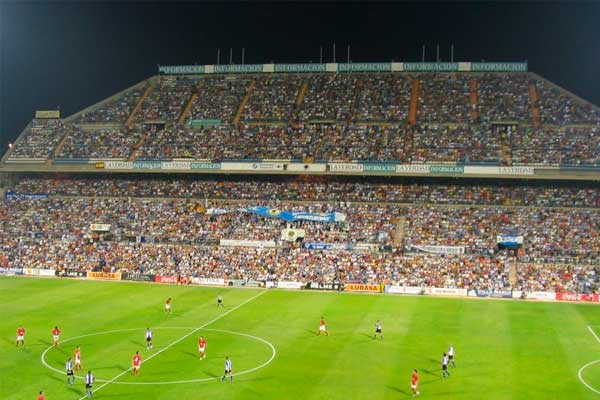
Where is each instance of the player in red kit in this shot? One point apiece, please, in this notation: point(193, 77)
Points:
point(77, 356)
point(202, 347)
point(41, 396)
point(414, 383)
point(322, 328)
point(21, 336)
point(137, 361)
point(168, 305)
point(56, 335)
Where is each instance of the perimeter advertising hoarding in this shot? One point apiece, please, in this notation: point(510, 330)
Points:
point(113, 276)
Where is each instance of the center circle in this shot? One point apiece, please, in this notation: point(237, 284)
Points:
point(244, 372)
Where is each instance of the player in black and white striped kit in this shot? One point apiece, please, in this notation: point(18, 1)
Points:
point(148, 338)
point(451, 356)
point(70, 374)
point(445, 371)
point(89, 381)
point(378, 330)
point(228, 370)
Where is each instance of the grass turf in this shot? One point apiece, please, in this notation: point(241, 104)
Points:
point(505, 349)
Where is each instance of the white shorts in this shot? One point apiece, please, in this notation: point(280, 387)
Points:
point(167, 306)
point(56, 338)
point(413, 386)
point(77, 361)
point(201, 349)
point(322, 328)
point(136, 367)
point(20, 337)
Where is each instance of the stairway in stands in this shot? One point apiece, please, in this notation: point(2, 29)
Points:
point(137, 146)
point(399, 232)
point(131, 117)
point(535, 110)
point(245, 100)
point(474, 100)
point(187, 108)
point(414, 102)
point(58, 148)
point(301, 94)
point(512, 274)
point(355, 96)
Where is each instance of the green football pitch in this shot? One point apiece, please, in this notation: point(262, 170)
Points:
point(504, 349)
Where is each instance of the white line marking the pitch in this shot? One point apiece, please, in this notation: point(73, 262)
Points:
point(579, 374)
point(266, 342)
point(177, 341)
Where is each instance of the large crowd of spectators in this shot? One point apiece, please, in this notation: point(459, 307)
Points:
point(166, 101)
point(504, 97)
point(105, 143)
point(41, 138)
point(329, 98)
point(334, 190)
point(339, 117)
point(273, 98)
point(456, 143)
point(444, 98)
point(218, 98)
point(384, 98)
point(115, 110)
point(559, 108)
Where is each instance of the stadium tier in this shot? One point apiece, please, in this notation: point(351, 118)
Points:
point(488, 119)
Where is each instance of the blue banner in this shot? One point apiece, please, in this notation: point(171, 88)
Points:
point(327, 246)
point(26, 196)
point(292, 216)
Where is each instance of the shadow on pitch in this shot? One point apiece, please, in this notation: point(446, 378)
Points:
point(397, 389)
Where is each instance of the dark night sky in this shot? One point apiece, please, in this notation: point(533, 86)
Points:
point(75, 54)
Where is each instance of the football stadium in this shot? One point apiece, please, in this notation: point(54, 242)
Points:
point(331, 230)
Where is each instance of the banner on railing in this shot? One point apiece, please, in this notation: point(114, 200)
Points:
point(136, 276)
point(114, 276)
point(292, 234)
point(25, 196)
point(495, 293)
point(165, 279)
point(289, 285)
point(11, 271)
point(292, 216)
point(437, 249)
point(100, 227)
point(247, 243)
point(404, 289)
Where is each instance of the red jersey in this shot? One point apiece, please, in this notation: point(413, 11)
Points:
point(77, 354)
point(137, 359)
point(56, 332)
point(202, 342)
point(322, 322)
point(41, 397)
point(21, 331)
point(415, 378)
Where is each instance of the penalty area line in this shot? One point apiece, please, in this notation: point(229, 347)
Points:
point(177, 341)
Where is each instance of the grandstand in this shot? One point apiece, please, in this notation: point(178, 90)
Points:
point(401, 133)
point(467, 119)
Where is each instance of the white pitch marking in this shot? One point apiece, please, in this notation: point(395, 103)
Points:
point(177, 341)
point(579, 374)
point(273, 354)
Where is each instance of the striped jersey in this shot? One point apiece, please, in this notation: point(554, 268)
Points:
point(451, 351)
point(445, 360)
point(148, 334)
point(69, 365)
point(228, 365)
point(89, 378)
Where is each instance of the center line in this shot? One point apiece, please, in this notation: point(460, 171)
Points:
point(177, 341)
